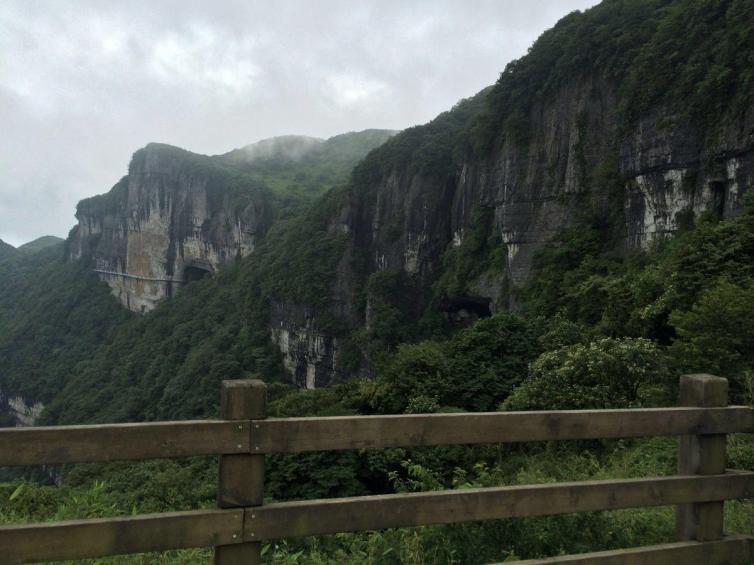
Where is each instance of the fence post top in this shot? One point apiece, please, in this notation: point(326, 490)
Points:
point(243, 383)
point(703, 390)
point(703, 378)
point(243, 399)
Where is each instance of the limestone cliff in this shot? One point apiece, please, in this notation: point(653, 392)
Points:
point(18, 411)
point(178, 216)
point(569, 131)
point(173, 218)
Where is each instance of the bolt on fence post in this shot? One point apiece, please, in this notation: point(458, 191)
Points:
point(701, 455)
point(241, 481)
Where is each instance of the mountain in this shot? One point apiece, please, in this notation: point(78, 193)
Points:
point(56, 317)
point(622, 125)
point(573, 237)
point(40, 243)
point(178, 216)
point(589, 130)
point(6, 250)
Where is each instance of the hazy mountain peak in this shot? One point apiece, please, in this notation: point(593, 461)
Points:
point(288, 147)
point(40, 243)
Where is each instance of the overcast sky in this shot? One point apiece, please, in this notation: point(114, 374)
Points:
point(83, 84)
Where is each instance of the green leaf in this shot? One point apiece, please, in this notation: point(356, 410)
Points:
point(16, 493)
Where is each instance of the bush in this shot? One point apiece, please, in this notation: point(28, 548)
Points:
point(717, 334)
point(609, 373)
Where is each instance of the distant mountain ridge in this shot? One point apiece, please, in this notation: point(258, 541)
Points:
point(179, 215)
point(34, 246)
point(40, 243)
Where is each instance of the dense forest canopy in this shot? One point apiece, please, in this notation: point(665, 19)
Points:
point(593, 327)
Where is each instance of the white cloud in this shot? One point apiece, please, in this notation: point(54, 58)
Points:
point(352, 89)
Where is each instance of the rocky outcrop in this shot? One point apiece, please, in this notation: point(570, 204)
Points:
point(178, 216)
point(174, 218)
point(654, 177)
point(19, 410)
point(668, 173)
point(675, 173)
point(310, 355)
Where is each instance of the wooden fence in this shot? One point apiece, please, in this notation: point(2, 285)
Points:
point(242, 438)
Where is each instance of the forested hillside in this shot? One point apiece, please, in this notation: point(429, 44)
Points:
point(6, 249)
point(40, 244)
point(577, 235)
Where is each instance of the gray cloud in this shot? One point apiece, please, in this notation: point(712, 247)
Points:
point(84, 84)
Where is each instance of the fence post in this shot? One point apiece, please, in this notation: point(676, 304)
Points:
point(701, 455)
point(241, 481)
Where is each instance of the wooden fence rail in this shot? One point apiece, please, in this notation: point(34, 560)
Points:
point(113, 442)
point(243, 436)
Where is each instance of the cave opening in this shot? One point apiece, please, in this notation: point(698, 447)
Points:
point(194, 272)
point(465, 310)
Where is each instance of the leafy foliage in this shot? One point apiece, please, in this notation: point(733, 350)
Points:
point(609, 373)
point(474, 370)
point(599, 329)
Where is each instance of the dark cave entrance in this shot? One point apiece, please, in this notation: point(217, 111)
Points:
point(196, 271)
point(465, 310)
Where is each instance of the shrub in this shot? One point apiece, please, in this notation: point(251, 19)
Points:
point(609, 373)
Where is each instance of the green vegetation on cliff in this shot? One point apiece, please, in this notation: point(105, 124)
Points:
point(596, 328)
point(54, 314)
point(40, 244)
point(691, 57)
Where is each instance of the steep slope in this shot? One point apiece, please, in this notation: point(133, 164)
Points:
point(57, 320)
point(54, 314)
point(178, 216)
point(586, 124)
point(589, 128)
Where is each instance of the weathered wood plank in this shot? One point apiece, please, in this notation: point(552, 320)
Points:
point(701, 455)
point(113, 442)
point(241, 479)
point(731, 550)
point(314, 517)
point(81, 539)
point(357, 432)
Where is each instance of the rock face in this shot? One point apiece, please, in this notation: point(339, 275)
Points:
point(667, 175)
point(173, 219)
point(561, 144)
point(18, 410)
point(659, 175)
point(675, 174)
point(178, 216)
point(310, 355)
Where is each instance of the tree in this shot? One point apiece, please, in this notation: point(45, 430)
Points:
point(609, 373)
